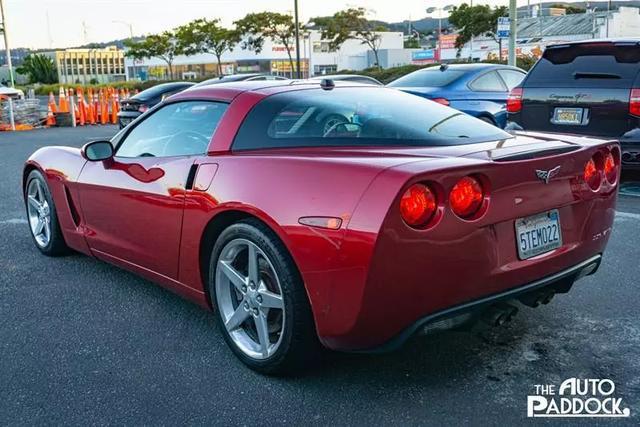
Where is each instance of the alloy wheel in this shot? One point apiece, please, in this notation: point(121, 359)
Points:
point(39, 213)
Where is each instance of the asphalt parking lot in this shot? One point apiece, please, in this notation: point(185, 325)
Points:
point(82, 342)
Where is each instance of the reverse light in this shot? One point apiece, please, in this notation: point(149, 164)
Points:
point(634, 102)
point(418, 205)
point(514, 100)
point(442, 101)
point(592, 175)
point(466, 197)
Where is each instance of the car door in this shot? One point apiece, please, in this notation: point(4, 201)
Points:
point(133, 204)
point(489, 96)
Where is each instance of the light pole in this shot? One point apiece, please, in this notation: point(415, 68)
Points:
point(513, 20)
point(130, 25)
point(3, 28)
point(295, 8)
point(432, 10)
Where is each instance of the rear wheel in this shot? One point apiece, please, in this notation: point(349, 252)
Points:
point(42, 216)
point(262, 307)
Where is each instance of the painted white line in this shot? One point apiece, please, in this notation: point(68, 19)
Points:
point(628, 215)
point(14, 221)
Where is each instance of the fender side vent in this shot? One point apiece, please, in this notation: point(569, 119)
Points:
point(72, 207)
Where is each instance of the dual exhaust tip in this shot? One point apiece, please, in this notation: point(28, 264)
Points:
point(501, 313)
point(631, 157)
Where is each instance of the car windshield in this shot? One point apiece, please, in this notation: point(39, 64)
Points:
point(357, 117)
point(431, 77)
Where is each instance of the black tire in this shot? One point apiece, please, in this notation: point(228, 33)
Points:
point(56, 246)
point(300, 348)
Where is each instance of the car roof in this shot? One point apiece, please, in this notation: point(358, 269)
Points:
point(228, 91)
point(157, 90)
point(631, 40)
point(472, 67)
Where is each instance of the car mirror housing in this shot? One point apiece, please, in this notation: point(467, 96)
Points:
point(96, 151)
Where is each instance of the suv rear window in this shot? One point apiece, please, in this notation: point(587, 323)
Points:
point(607, 65)
point(357, 117)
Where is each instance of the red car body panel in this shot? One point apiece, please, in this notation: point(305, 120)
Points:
point(374, 276)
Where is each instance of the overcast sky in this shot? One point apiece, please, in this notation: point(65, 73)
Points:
point(27, 19)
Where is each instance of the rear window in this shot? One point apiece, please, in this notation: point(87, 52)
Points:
point(431, 77)
point(357, 117)
point(587, 65)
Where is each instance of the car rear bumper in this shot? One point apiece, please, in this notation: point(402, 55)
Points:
point(559, 282)
point(126, 117)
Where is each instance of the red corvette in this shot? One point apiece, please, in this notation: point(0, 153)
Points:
point(314, 214)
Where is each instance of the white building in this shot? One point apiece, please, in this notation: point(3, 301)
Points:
point(534, 34)
point(316, 59)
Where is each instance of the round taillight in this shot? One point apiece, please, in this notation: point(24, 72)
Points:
point(592, 175)
point(418, 205)
point(610, 168)
point(466, 197)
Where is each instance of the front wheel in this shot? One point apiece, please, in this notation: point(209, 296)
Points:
point(263, 310)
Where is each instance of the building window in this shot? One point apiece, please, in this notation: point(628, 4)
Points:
point(325, 69)
point(321, 47)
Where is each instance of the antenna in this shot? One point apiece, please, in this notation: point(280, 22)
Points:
point(85, 32)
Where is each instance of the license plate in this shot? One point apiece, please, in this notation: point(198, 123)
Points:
point(568, 116)
point(538, 234)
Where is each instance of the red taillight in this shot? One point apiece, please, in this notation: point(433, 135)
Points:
point(143, 108)
point(418, 205)
point(634, 102)
point(442, 101)
point(466, 197)
point(592, 175)
point(514, 101)
point(611, 168)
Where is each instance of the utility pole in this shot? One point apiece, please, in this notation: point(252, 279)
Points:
point(513, 18)
point(299, 73)
point(471, 40)
point(3, 28)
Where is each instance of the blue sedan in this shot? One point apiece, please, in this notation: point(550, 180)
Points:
point(480, 90)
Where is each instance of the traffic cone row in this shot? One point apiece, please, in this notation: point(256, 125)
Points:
point(100, 106)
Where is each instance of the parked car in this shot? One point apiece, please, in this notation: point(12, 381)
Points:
point(587, 88)
point(355, 78)
point(250, 77)
point(133, 107)
point(11, 92)
point(480, 90)
point(413, 218)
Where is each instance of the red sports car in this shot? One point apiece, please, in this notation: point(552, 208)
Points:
point(315, 215)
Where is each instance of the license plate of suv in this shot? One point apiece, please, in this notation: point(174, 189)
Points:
point(538, 234)
point(568, 116)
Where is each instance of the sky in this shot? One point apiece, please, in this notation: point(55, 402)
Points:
point(66, 23)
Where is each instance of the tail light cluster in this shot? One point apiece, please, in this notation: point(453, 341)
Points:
point(514, 100)
point(419, 204)
point(634, 102)
point(604, 165)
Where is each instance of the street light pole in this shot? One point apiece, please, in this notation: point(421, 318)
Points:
point(130, 25)
point(513, 18)
point(299, 71)
point(6, 42)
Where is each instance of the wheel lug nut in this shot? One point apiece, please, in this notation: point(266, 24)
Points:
point(259, 299)
point(246, 306)
point(255, 311)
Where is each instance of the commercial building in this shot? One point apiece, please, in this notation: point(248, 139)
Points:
point(316, 59)
point(89, 65)
point(535, 33)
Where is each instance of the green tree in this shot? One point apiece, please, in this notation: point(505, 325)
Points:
point(39, 68)
point(473, 21)
point(351, 24)
point(207, 36)
point(570, 10)
point(256, 27)
point(164, 46)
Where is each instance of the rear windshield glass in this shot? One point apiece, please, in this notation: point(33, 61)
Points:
point(357, 117)
point(431, 77)
point(587, 65)
point(159, 90)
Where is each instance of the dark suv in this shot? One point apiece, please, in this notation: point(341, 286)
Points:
point(588, 88)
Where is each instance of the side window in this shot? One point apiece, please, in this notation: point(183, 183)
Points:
point(178, 129)
point(258, 78)
point(511, 78)
point(489, 82)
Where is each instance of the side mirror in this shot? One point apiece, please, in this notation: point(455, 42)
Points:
point(96, 151)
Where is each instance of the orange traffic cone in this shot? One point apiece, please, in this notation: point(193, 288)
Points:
point(51, 119)
point(52, 103)
point(91, 115)
point(82, 113)
point(103, 108)
point(64, 104)
point(114, 108)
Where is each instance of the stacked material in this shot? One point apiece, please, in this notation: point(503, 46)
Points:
point(26, 114)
